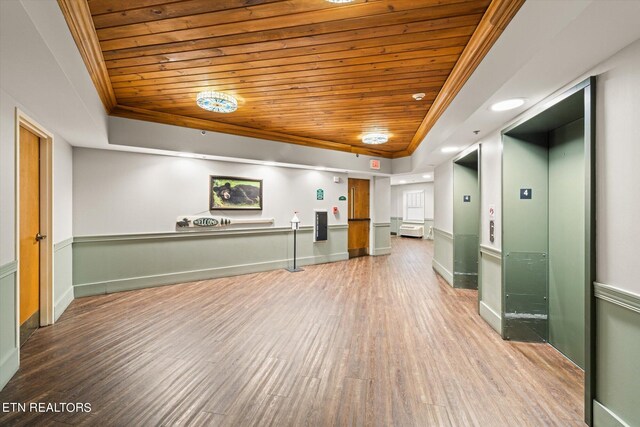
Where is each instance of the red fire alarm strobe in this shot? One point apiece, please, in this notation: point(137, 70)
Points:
point(374, 164)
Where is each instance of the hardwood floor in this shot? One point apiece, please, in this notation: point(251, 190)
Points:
point(374, 341)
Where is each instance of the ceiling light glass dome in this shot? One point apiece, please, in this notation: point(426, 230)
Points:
point(375, 138)
point(217, 102)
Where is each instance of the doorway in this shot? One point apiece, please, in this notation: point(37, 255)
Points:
point(466, 221)
point(548, 253)
point(34, 304)
point(30, 236)
point(359, 218)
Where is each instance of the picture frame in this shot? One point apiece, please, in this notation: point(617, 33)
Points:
point(234, 193)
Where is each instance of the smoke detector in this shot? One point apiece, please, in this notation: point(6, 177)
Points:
point(418, 96)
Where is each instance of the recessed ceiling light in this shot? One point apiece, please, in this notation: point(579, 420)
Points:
point(418, 96)
point(426, 176)
point(269, 163)
point(375, 138)
point(218, 102)
point(449, 149)
point(321, 168)
point(403, 181)
point(508, 104)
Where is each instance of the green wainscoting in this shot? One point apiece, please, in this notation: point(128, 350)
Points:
point(490, 286)
point(428, 223)
point(62, 276)
point(381, 238)
point(396, 222)
point(9, 354)
point(106, 264)
point(617, 357)
point(443, 254)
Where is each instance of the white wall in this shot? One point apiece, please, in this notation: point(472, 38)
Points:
point(7, 179)
point(381, 212)
point(397, 192)
point(443, 197)
point(62, 181)
point(617, 172)
point(491, 188)
point(62, 190)
point(175, 138)
point(120, 192)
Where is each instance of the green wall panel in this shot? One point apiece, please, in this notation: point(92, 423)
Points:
point(395, 224)
point(443, 254)
point(9, 355)
point(567, 241)
point(62, 277)
point(618, 356)
point(104, 264)
point(381, 239)
point(490, 276)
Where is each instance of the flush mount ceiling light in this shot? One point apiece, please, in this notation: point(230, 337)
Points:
point(218, 102)
point(418, 96)
point(375, 138)
point(508, 104)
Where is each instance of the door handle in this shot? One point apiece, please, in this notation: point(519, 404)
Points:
point(40, 237)
point(353, 202)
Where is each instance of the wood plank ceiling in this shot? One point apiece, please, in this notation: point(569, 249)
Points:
point(309, 72)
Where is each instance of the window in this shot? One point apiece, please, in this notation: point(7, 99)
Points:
point(413, 206)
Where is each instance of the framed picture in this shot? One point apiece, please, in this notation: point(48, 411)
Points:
point(233, 193)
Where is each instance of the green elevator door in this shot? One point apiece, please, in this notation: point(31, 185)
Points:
point(567, 240)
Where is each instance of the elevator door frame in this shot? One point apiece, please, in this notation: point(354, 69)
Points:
point(589, 87)
point(456, 162)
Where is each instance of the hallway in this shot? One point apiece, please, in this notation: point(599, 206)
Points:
point(370, 341)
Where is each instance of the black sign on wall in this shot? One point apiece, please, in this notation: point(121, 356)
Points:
point(320, 226)
point(525, 193)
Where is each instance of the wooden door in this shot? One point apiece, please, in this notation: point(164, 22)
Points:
point(358, 217)
point(29, 213)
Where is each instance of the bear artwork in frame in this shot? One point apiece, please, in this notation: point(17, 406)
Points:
point(234, 193)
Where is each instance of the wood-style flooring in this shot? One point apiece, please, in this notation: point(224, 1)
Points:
point(373, 341)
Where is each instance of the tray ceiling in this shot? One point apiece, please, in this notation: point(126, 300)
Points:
point(309, 72)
